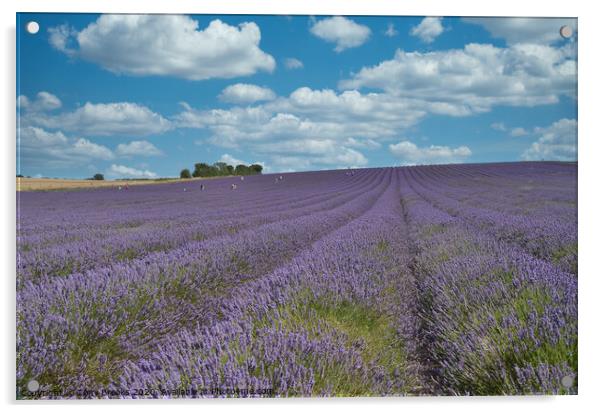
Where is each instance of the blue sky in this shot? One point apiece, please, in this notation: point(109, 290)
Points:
point(145, 96)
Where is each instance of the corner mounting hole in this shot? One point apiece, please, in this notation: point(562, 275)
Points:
point(566, 31)
point(32, 27)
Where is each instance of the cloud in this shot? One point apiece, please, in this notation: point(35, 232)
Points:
point(324, 129)
point(44, 101)
point(230, 160)
point(292, 63)
point(460, 82)
point(391, 32)
point(39, 147)
point(410, 154)
point(245, 93)
point(137, 148)
point(122, 171)
point(345, 33)
point(37, 137)
point(311, 153)
point(86, 148)
point(516, 132)
point(62, 38)
point(524, 29)
point(23, 102)
point(99, 119)
point(354, 107)
point(362, 143)
point(557, 142)
point(428, 29)
point(306, 113)
point(223, 122)
point(166, 45)
point(499, 126)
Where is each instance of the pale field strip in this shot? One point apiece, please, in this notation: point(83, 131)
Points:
point(49, 184)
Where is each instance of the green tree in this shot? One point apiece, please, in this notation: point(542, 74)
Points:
point(256, 168)
point(241, 169)
point(185, 174)
point(98, 177)
point(200, 169)
point(222, 168)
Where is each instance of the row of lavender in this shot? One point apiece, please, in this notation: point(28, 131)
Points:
point(389, 281)
point(63, 251)
point(81, 330)
point(333, 321)
point(549, 233)
point(498, 316)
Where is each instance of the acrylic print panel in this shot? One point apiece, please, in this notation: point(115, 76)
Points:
point(262, 206)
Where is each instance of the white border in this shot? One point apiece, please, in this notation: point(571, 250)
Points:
point(316, 7)
point(589, 188)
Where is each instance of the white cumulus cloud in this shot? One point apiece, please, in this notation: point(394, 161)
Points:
point(307, 113)
point(246, 93)
point(98, 119)
point(344, 32)
point(62, 38)
point(428, 30)
point(557, 142)
point(524, 29)
point(137, 148)
point(391, 32)
point(311, 153)
point(516, 132)
point(231, 160)
point(44, 101)
point(86, 148)
point(461, 82)
point(37, 146)
point(122, 171)
point(293, 63)
point(409, 153)
point(166, 45)
point(37, 137)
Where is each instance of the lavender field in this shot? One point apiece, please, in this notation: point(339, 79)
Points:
point(424, 280)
